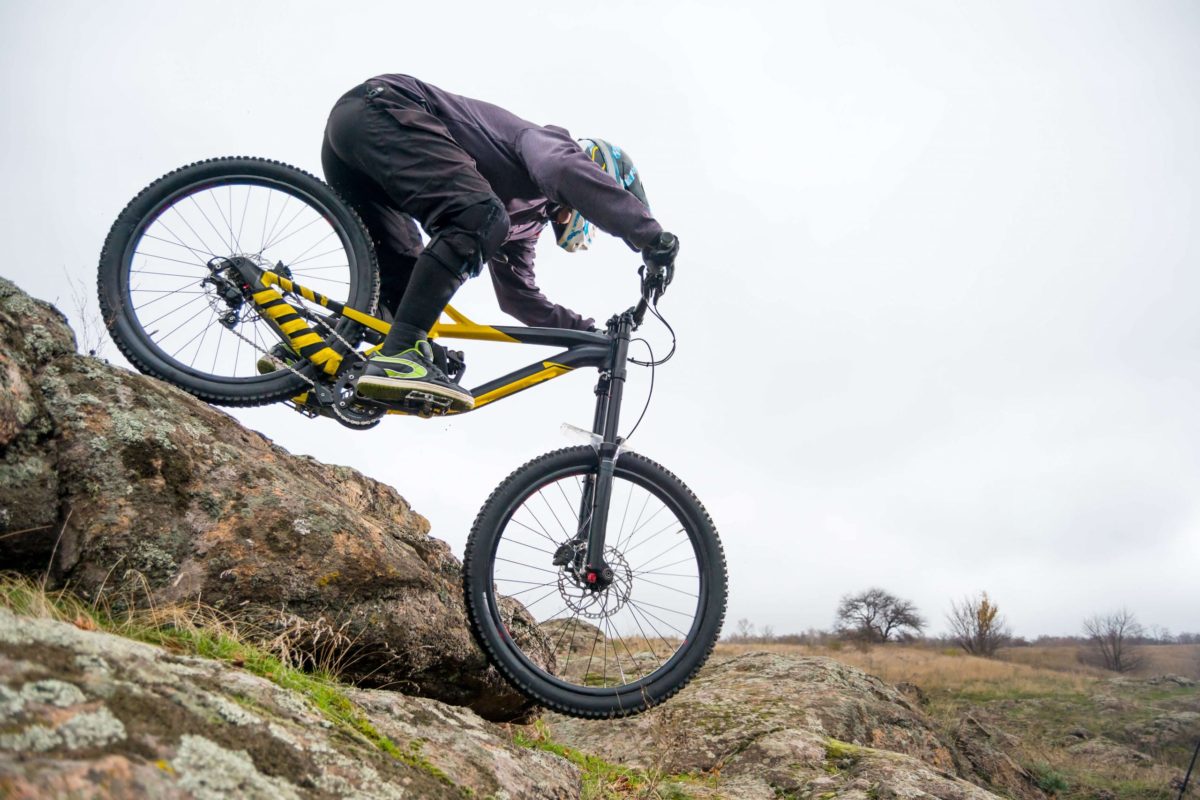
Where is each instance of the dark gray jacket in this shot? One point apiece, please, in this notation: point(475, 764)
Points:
point(531, 168)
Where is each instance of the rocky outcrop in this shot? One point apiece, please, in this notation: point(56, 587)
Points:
point(88, 714)
point(771, 725)
point(132, 491)
point(984, 748)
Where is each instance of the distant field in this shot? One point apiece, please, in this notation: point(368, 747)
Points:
point(950, 670)
point(1159, 659)
point(931, 668)
point(1082, 731)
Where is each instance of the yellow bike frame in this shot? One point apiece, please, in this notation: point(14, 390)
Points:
point(584, 348)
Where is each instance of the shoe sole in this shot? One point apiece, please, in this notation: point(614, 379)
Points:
point(389, 389)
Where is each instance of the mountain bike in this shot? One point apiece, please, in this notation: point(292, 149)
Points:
point(594, 579)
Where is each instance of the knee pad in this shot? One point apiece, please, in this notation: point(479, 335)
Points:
point(471, 236)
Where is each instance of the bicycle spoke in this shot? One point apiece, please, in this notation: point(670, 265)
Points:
point(229, 220)
point(168, 258)
point(199, 238)
point(185, 344)
point(220, 236)
point(178, 243)
point(311, 247)
point(625, 516)
point(309, 270)
point(161, 296)
point(563, 632)
point(638, 604)
point(217, 354)
point(531, 547)
point(588, 669)
point(664, 552)
point(527, 566)
point(635, 625)
point(543, 531)
point(530, 589)
point(645, 503)
point(242, 224)
point(654, 628)
point(266, 216)
point(270, 234)
point(172, 311)
point(303, 227)
point(644, 524)
point(670, 525)
point(553, 591)
point(670, 589)
point(556, 519)
point(664, 566)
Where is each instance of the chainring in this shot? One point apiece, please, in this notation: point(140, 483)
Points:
point(350, 409)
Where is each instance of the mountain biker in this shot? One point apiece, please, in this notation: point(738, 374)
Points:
point(483, 183)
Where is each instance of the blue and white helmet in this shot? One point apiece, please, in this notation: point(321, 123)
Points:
point(577, 233)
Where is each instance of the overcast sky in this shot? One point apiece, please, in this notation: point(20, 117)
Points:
point(938, 299)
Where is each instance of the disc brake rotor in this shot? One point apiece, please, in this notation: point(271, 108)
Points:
point(585, 602)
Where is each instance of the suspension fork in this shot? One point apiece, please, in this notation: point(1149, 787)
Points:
point(597, 489)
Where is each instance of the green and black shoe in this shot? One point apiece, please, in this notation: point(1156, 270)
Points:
point(392, 378)
point(280, 354)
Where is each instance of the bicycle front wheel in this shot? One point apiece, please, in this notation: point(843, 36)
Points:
point(607, 653)
point(173, 319)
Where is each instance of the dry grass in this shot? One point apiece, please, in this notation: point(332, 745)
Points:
point(1040, 695)
point(1051, 668)
point(200, 630)
point(936, 670)
point(1158, 659)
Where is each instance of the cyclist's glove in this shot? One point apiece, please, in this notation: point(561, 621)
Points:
point(659, 257)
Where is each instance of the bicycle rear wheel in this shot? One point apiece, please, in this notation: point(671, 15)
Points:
point(610, 653)
point(173, 324)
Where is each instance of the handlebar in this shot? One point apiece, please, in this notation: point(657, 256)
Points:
point(652, 290)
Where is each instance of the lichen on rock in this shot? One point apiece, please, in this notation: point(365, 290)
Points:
point(146, 496)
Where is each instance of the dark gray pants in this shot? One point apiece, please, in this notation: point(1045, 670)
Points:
point(394, 161)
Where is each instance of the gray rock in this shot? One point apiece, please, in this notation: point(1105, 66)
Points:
point(154, 724)
point(772, 725)
point(145, 495)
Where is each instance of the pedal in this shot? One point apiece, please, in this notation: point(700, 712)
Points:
point(300, 404)
point(424, 405)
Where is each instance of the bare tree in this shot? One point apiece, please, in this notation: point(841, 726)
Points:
point(977, 627)
point(876, 615)
point(90, 332)
point(1113, 635)
point(744, 631)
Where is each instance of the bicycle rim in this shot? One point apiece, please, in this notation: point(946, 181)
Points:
point(617, 640)
point(186, 322)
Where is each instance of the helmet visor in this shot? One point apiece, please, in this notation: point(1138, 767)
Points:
point(574, 234)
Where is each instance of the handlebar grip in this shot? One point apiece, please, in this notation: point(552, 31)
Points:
point(662, 252)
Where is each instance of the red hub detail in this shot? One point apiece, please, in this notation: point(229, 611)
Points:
point(592, 577)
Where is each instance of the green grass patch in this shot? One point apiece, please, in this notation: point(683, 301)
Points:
point(1048, 779)
point(601, 779)
point(205, 632)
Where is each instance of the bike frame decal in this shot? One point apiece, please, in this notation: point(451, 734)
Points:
point(301, 338)
point(550, 370)
point(584, 348)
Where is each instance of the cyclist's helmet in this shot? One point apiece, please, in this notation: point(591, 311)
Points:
point(577, 233)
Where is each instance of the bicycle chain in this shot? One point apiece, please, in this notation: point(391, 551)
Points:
point(343, 416)
point(275, 359)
